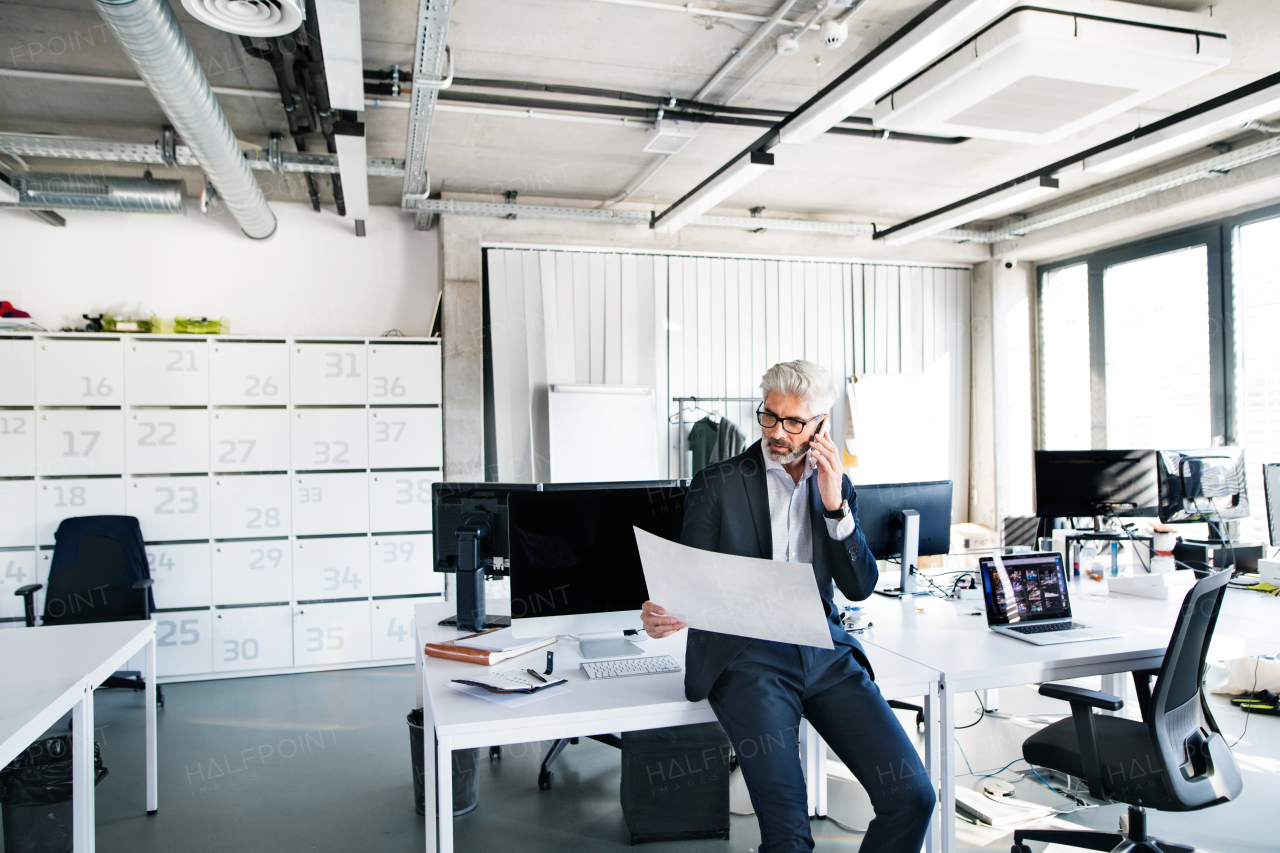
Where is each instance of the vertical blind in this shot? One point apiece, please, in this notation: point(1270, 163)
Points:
point(1257, 393)
point(705, 326)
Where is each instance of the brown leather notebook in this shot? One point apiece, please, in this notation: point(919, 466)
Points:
point(485, 657)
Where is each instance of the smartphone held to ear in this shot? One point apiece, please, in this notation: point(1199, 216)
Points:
point(813, 451)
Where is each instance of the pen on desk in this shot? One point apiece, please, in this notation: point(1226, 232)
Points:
point(536, 675)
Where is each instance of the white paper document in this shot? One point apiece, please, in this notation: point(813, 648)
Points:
point(745, 596)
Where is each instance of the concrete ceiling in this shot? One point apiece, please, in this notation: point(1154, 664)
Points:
point(587, 43)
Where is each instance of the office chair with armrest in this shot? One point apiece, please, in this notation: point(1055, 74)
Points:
point(1174, 759)
point(99, 574)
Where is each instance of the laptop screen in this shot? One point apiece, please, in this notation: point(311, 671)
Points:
point(1024, 588)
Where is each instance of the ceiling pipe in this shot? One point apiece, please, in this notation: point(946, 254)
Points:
point(152, 38)
point(746, 48)
point(47, 191)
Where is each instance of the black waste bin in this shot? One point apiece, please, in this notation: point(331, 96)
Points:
point(36, 791)
point(466, 775)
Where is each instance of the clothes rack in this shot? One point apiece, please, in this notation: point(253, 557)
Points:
point(680, 433)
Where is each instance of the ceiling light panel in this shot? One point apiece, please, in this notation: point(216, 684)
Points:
point(1003, 201)
point(1037, 76)
point(734, 177)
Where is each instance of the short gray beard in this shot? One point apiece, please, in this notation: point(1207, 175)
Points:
point(783, 458)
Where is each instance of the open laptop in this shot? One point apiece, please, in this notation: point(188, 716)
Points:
point(1026, 597)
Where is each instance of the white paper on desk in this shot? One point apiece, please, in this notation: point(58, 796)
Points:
point(744, 596)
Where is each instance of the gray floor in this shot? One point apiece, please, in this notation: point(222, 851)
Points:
point(320, 762)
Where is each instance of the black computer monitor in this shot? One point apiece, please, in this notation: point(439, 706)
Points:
point(1077, 483)
point(1202, 485)
point(469, 534)
point(1271, 489)
point(575, 566)
point(891, 530)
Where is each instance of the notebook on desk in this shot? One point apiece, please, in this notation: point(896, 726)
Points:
point(1026, 597)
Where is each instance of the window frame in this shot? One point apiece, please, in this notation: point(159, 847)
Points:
point(1219, 239)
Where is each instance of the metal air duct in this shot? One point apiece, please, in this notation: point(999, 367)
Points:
point(150, 35)
point(46, 191)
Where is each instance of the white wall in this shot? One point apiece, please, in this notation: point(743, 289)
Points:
point(313, 277)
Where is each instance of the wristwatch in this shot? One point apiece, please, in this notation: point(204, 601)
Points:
point(837, 513)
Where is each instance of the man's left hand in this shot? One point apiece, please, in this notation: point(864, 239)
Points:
point(830, 471)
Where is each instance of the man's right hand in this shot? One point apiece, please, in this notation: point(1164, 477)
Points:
point(656, 624)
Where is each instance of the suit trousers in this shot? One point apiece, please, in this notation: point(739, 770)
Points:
point(759, 699)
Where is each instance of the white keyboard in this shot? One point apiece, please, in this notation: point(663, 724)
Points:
point(630, 666)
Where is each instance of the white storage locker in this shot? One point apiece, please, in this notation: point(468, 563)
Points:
point(400, 501)
point(405, 438)
point(330, 568)
point(19, 359)
point(17, 443)
point(330, 439)
point(184, 642)
point(167, 441)
point(252, 572)
point(17, 513)
point(249, 439)
point(70, 498)
point(330, 503)
point(391, 628)
point(17, 569)
point(170, 508)
point(166, 373)
point(403, 565)
point(404, 374)
point(248, 374)
point(181, 575)
point(252, 638)
point(250, 505)
point(79, 373)
point(335, 632)
point(328, 374)
point(71, 442)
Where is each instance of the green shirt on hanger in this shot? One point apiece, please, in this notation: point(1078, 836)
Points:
point(702, 441)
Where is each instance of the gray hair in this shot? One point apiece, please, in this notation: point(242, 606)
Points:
point(804, 379)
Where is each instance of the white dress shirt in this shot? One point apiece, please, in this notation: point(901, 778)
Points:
point(789, 513)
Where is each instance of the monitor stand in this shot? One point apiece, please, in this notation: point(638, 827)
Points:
point(910, 557)
point(469, 583)
point(491, 621)
point(607, 645)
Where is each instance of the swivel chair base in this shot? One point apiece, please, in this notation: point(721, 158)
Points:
point(1132, 840)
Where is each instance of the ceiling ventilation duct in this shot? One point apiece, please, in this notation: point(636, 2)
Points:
point(1039, 75)
point(46, 191)
point(263, 18)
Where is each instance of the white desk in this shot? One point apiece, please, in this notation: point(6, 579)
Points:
point(461, 721)
point(48, 671)
point(943, 635)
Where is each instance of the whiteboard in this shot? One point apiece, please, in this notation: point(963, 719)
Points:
point(906, 429)
point(602, 433)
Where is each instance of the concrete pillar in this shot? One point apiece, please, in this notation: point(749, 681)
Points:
point(462, 329)
point(982, 423)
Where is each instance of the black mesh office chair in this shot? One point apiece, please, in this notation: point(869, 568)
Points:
point(99, 574)
point(1175, 759)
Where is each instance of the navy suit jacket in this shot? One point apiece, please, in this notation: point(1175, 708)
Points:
point(727, 511)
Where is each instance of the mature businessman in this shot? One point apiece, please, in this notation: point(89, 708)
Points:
point(786, 498)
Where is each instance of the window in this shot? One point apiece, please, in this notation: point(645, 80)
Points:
point(1257, 368)
point(1170, 343)
point(1064, 359)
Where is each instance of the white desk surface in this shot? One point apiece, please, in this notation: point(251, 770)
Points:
point(606, 705)
point(45, 671)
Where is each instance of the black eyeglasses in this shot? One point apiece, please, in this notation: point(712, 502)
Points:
point(795, 426)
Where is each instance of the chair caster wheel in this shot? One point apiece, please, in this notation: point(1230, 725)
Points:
point(495, 752)
point(545, 779)
point(1019, 848)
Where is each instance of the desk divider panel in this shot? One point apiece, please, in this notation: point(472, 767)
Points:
point(257, 468)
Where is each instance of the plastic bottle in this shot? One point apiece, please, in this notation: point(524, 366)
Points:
point(1115, 558)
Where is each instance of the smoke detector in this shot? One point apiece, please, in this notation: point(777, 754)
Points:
point(263, 18)
point(834, 33)
point(788, 44)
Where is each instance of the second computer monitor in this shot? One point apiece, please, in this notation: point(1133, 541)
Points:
point(1081, 483)
point(880, 508)
point(1271, 488)
point(575, 567)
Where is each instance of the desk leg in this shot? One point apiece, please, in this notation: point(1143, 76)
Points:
point(807, 735)
point(931, 719)
point(1114, 683)
point(82, 775)
point(444, 794)
point(946, 765)
point(820, 772)
point(149, 697)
